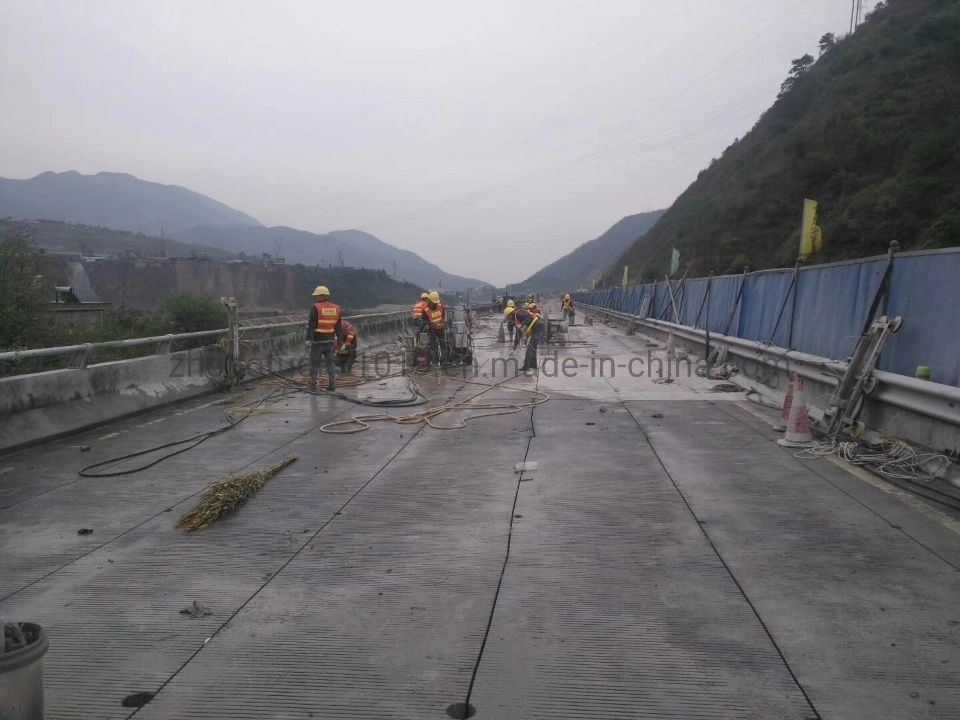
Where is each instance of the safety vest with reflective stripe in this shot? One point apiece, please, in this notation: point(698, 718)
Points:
point(567, 303)
point(435, 317)
point(418, 308)
point(328, 315)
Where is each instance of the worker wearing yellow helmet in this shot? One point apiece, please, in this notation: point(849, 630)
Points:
point(566, 308)
point(529, 325)
point(434, 314)
point(508, 321)
point(323, 327)
point(420, 305)
point(433, 319)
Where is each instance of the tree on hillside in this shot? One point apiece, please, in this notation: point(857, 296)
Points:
point(24, 295)
point(798, 68)
point(827, 42)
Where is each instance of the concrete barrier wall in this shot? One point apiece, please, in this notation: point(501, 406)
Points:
point(42, 405)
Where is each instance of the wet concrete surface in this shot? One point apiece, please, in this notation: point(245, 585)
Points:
point(665, 559)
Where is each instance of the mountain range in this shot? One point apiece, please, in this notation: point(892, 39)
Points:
point(114, 200)
point(589, 261)
point(351, 248)
point(122, 202)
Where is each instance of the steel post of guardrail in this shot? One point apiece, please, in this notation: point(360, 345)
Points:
point(78, 358)
point(164, 346)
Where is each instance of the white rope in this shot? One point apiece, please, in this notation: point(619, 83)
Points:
point(893, 459)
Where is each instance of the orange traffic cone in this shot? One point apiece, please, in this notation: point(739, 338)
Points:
point(787, 403)
point(798, 429)
point(501, 335)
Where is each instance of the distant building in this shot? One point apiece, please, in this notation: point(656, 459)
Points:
point(70, 308)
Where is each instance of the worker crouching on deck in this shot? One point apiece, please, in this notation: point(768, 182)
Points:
point(323, 328)
point(527, 322)
point(347, 348)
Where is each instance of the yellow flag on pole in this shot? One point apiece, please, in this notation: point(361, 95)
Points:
point(811, 238)
point(626, 269)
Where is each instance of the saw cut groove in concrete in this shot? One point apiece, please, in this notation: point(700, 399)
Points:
point(613, 603)
point(383, 613)
point(618, 600)
point(867, 618)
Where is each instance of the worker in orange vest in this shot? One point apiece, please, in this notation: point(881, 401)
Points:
point(324, 327)
point(418, 307)
point(347, 350)
point(434, 318)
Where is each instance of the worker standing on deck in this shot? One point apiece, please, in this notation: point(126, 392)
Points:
point(347, 349)
point(323, 327)
point(566, 308)
point(510, 323)
point(529, 324)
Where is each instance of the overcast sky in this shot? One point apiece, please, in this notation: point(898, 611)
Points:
point(489, 136)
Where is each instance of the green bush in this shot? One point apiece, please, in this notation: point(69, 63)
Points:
point(193, 313)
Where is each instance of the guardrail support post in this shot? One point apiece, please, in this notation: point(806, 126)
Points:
point(78, 360)
point(232, 369)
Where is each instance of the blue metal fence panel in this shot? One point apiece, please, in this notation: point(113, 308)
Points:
point(723, 295)
point(694, 292)
point(831, 305)
point(764, 295)
point(925, 291)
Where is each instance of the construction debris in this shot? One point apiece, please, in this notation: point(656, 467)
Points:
point(725, 388)
point(17, 636)
point(137, 700)
point(226, 495)
point(196, 609)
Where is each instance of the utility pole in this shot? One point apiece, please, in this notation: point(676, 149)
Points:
point(856, 14)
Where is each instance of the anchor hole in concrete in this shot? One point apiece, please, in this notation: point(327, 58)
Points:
point(461, 711)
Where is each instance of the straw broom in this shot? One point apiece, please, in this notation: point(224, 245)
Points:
point(226, 495)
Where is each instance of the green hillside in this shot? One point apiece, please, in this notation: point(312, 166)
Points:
point(55, 236)
point(871, 130)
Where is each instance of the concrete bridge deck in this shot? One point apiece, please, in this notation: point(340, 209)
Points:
point(666, 560)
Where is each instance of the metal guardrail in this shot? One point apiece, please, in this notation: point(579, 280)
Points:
point(79, 353)
point(934, 400)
